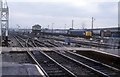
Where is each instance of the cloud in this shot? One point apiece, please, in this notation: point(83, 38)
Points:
point(52, 9)
point(73, 1)
point(45, 13)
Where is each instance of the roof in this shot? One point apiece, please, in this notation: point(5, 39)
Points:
point(37, 25)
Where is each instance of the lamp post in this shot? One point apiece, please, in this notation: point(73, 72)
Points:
point(52, 27)
point(72, 24)
point(65, 26)
point(48, 26)
point(92, 23)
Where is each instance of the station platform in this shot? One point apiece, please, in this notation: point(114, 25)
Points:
point(16, 70)
point(112, 52)
point(100, 54)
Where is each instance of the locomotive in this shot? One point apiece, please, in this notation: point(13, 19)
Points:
point(80, 33)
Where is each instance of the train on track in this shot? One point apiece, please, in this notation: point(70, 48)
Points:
point(101, 32)
point(107, 32)
point(80, 33)
point(68, 32)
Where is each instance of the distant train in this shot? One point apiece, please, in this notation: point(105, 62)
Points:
point(80, 33)
point(69, 32)
point(101, 32)
point(107, 32)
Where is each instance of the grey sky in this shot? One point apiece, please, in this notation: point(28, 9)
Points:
point(45, 13)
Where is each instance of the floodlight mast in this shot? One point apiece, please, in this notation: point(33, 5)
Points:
point(4, 22)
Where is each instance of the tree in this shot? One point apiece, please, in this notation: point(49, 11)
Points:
point(83, 25)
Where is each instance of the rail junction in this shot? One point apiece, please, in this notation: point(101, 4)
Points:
point(55, 58)
point(57, 53)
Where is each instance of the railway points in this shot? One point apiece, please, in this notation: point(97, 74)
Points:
point(40, 52)
point(47, 47)
point(52, 56)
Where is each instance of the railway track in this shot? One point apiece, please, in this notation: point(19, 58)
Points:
point(111, 61)
point(85, 43)
point(49, 66)
point(100, 68)
point(96, 66)
point(69, 64)
point(23, 43)
point(72, 63)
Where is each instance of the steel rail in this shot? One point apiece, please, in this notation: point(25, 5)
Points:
point(46, 75)
point(72, 74)
point(113, 68)
point(93, 69)
point(106, 69)
point(98, 72)
point(86, 58)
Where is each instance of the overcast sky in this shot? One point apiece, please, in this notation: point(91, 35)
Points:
point(26, 13)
